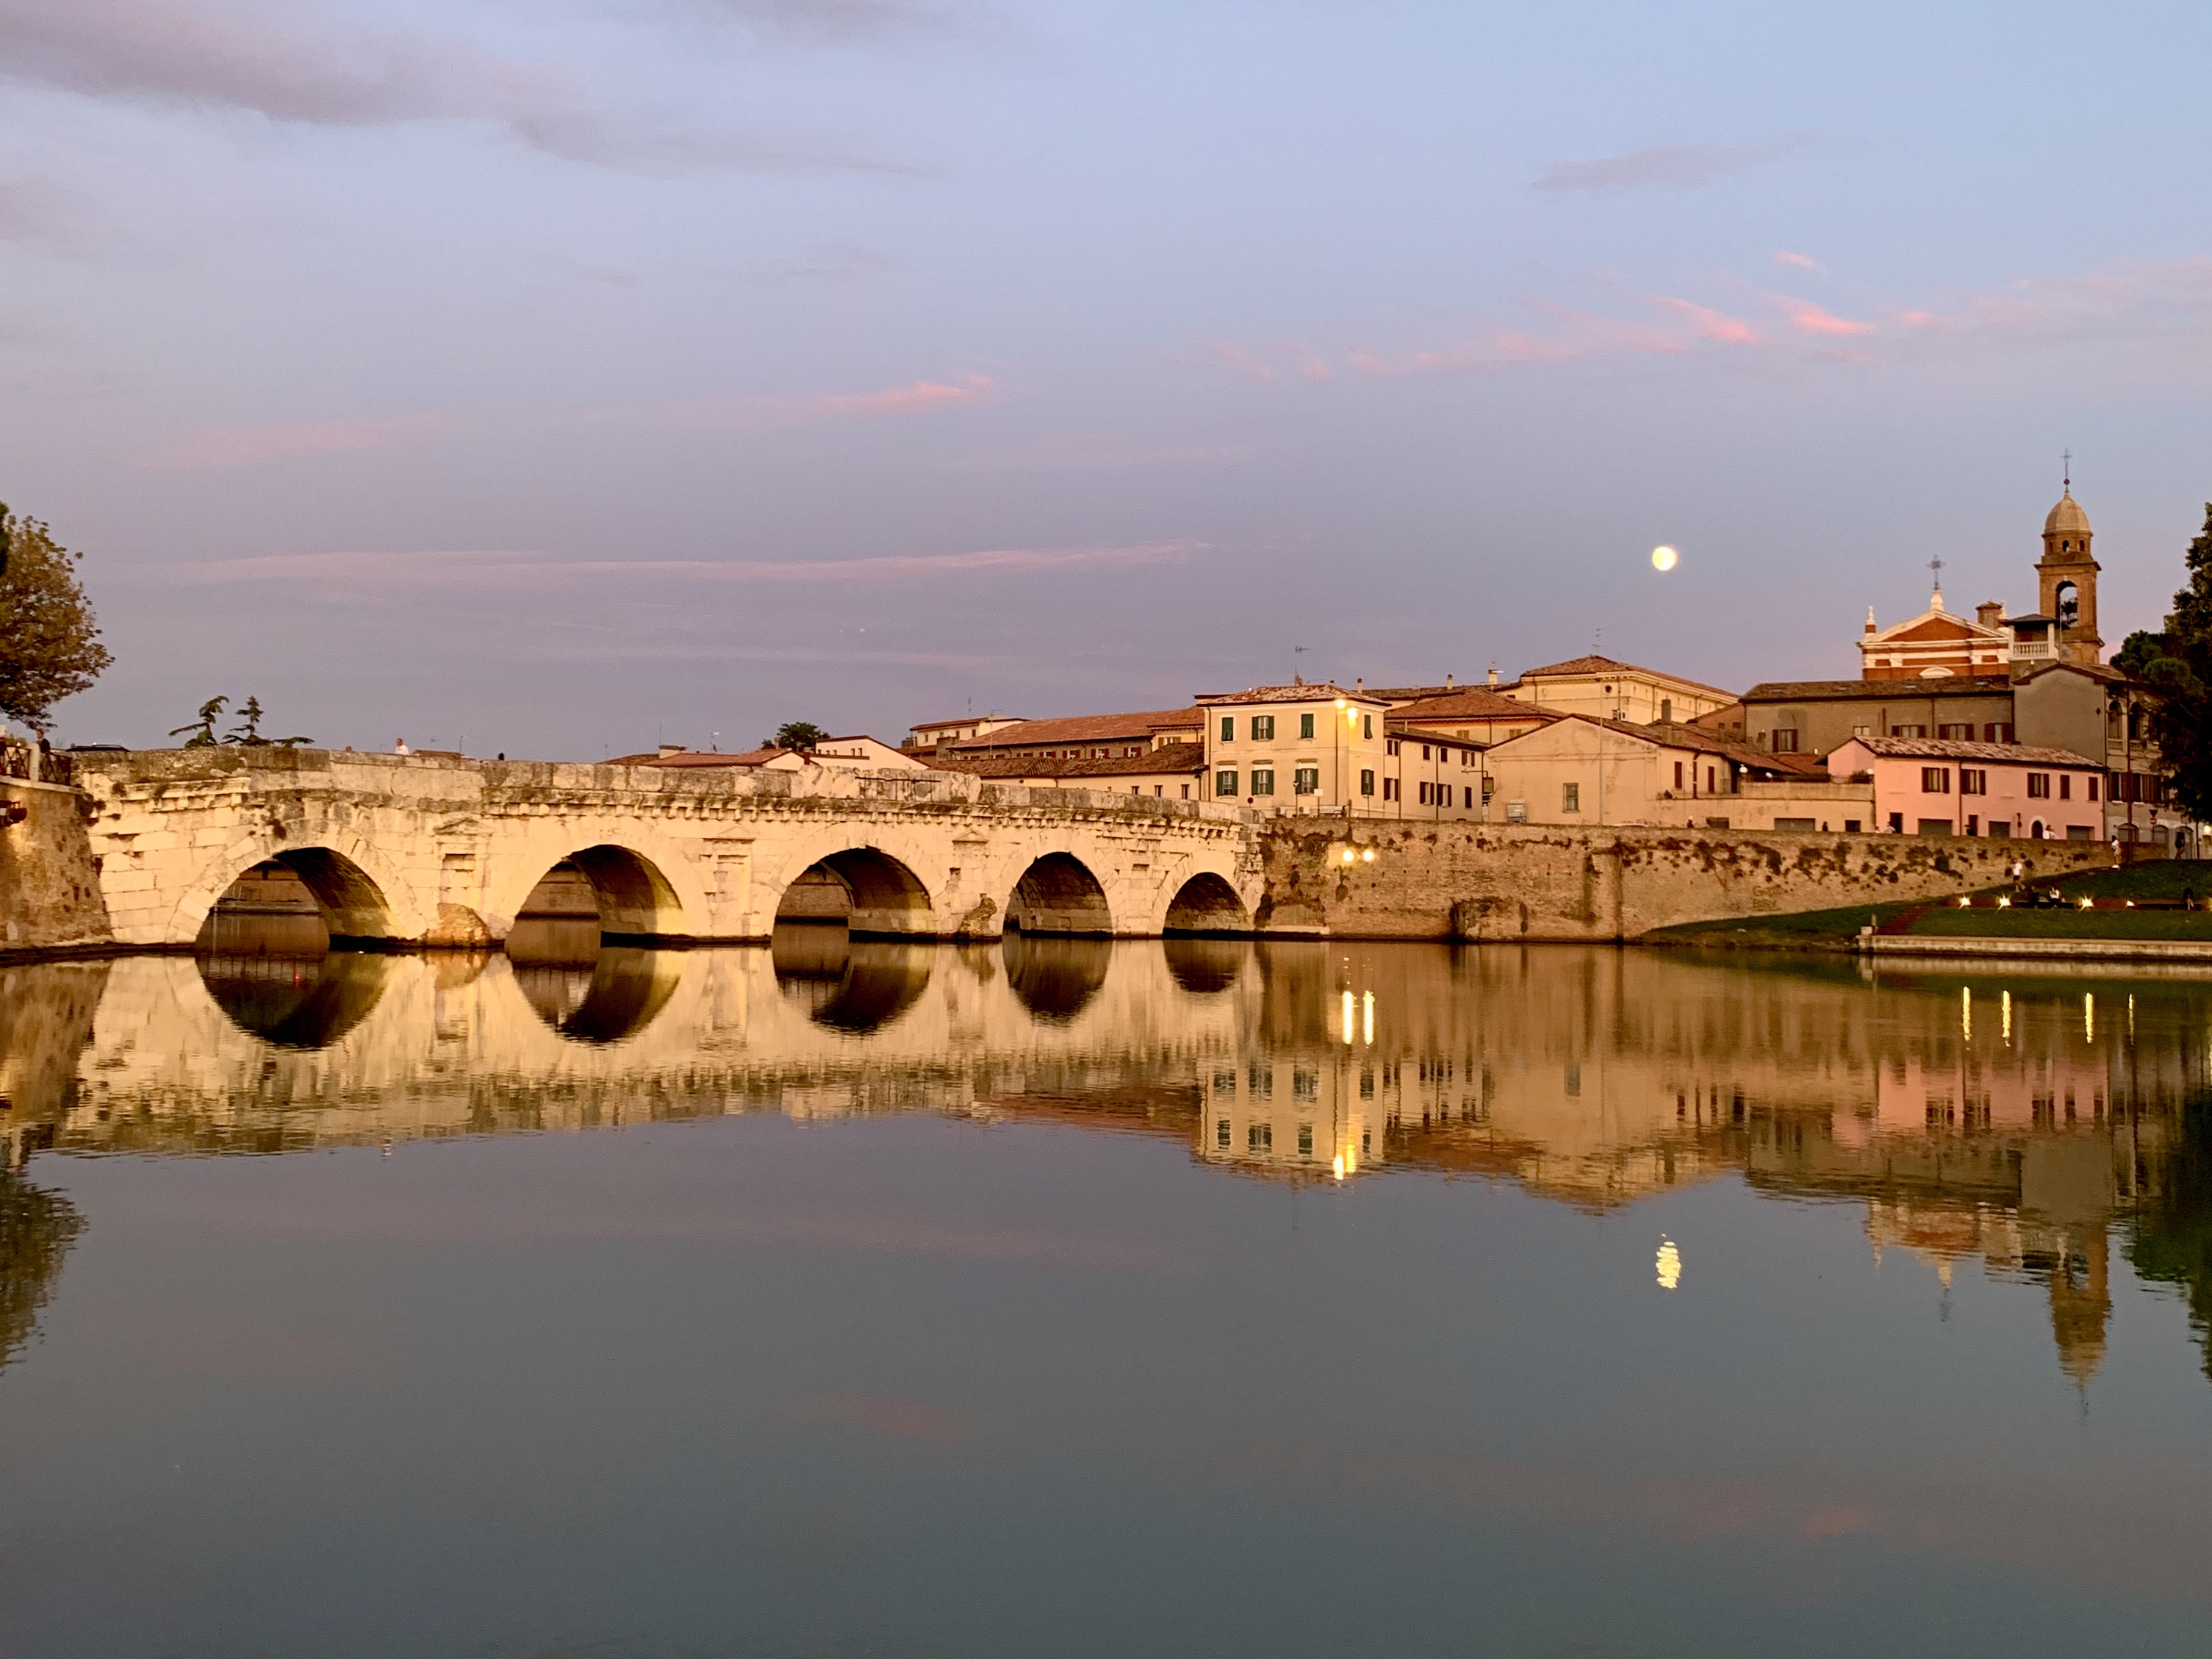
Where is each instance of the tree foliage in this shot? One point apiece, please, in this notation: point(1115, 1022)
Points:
point(796, 734)
point(2177, 666)
point(50, 644)
point(247, 734)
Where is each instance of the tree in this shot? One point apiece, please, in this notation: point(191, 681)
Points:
point(50, 644)
point(2177, 666)
point(200, 734)
point(796, 734)
point(248, 733)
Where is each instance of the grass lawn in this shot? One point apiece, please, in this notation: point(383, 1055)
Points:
point(2065, 924)
point(2163, 878)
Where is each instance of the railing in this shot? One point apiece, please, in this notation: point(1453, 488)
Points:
point(28, 761)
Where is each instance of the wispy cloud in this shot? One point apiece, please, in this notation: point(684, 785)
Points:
point(1818, 319)
point(1710, 324)
point(836, 262)
point(1672, 167)
point(241, 446)
point(298, 66)
point(1783, 256)
point(767, 414)
point(492, 568)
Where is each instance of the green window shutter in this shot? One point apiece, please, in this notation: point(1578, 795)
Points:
point(1306, 726)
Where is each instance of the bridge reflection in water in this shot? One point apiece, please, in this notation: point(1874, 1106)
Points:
point(2028, 1123)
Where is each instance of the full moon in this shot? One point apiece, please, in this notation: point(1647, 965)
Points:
point(1662, 558)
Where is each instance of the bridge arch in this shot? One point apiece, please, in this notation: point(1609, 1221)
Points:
point(1207, 903)
point(627, 893)
point(875, 894)
point(361, 898)
point(1057, 894)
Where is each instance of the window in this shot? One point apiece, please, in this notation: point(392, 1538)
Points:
point(1367, 781)
point(1367, 726)
point(1305, 1141)
point(1391, 747)
point(1221, 1132)
point(1796, 824)
point(1570, 798)
point(1708, 781)
point(1862, 731)
point(1306, 726)
point(1974, 781)
point(1263, 779)
point(1224, 784)
point(1935, 780)
point(1973, 824)
point(1678, 774)
point(1389, 789)
point(2092, 781)
point(2066, 785)
point(1785, 741)
point(1424, 752)
point(1424, 794)
point(1966, 732)
point(1998, 731)
point(1263, 728)
point(2039, 785)
point(1186, 792)
point(1908, 730)
point(1467, 799)
point(1306, 780)
point(1229, 728)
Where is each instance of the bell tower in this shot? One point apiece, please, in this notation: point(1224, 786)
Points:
point(2066, 582)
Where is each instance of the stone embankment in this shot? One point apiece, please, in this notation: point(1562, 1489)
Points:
point(50, 898)
point(1526, 884)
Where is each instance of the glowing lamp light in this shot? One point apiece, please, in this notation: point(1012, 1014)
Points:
point(1348, 855)
point(1368, 856)
point(1664, 558)
point(2086, 904)
point(2003, 903)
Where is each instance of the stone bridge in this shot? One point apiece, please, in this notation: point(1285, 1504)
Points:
point(428, 849)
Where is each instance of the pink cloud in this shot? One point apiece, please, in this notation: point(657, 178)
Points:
point(1783, 256)
point(1711, 325)
point(767, 414)
point(242, 446)
point(1247, 363)
point(1815, 319)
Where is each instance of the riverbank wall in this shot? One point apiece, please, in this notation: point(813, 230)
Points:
point(1531, 884)
point(50, 896)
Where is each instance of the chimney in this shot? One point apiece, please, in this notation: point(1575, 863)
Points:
point(1493, 673)
point(668, 749)
point(1447, 681)
point(1360, 684)
point(1989, 613)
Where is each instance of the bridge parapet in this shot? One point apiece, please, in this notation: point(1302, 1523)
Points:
point(436, 849)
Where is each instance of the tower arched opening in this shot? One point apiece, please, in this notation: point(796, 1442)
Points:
point(870, 893)
point(1059, 895)
point(1206, 904)
point(849, 987)
point(301, 902)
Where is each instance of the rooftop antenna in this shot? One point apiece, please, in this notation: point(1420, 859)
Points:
point(1936, 564)
point(1297, 651)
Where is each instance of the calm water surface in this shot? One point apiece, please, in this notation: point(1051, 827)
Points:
point(1072, 1298)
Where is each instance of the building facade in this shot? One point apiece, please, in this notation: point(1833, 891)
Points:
point(1935, 786)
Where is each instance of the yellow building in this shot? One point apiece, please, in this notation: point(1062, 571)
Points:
point(1606, 690)
point(1316, 748)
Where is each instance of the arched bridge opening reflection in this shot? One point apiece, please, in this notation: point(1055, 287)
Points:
point(602, 995)
point(297, 1001)
point(848, 985)
point(1205, 967)
point(1056, 978)
point(1207, 905)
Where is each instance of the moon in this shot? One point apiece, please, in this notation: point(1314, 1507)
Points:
point(1663, 558)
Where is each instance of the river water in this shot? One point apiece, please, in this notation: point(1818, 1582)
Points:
point(1068, 1298)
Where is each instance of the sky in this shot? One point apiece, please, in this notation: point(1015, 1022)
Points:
point(560, 377)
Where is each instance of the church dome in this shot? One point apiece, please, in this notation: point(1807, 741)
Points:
point(2067, 518)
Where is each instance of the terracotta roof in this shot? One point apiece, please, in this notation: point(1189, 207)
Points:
point(1593, 664)
point(1319, 691)
point(1949, 685)
point(1168, 757)
point(1416, 693)
point(1477, 702)
point(1084, 728)
point(749, 759)
point(1961, 748)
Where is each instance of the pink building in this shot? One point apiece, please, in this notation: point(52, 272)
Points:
point(1950, 786)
